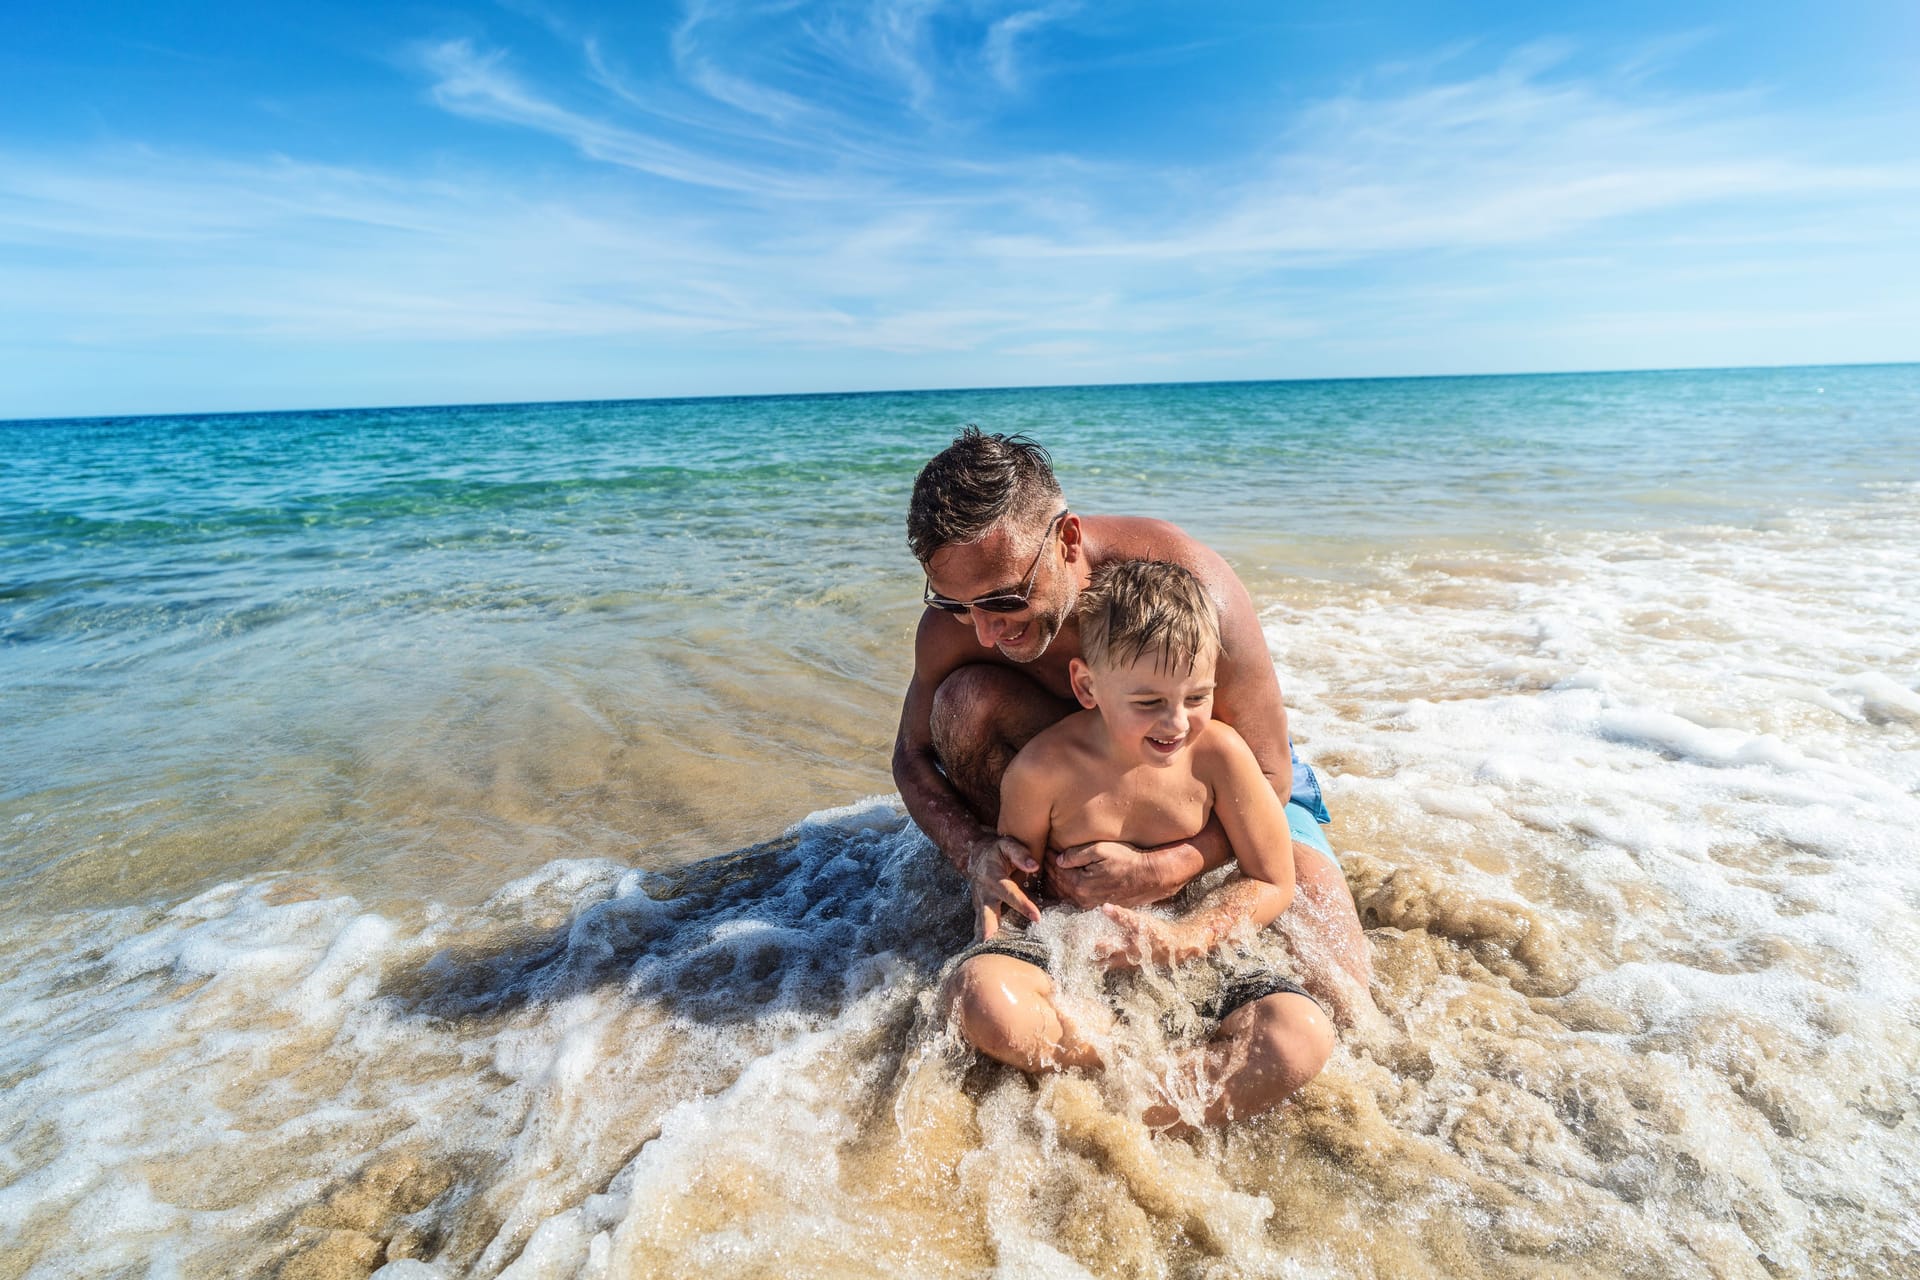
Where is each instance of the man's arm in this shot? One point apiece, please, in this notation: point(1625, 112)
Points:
point(1108, 871)
point(937, 809)
point(1247, 695)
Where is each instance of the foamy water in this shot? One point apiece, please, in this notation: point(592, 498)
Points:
point(1631, 817)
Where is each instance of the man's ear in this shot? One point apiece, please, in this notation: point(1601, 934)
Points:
point(1070, 537)
point(1080, 676)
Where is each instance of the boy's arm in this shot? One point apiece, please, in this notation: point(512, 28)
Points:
point(1237, 909)
point(1253, 816)
point(1025, 817)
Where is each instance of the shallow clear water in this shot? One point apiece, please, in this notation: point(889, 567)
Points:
point(369, 776)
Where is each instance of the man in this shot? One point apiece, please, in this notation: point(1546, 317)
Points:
point(1005, 560)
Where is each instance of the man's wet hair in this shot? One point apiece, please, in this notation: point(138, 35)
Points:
point(975, 483)
point(1133, 608)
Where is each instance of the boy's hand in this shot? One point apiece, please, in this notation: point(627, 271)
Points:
point(995, 869)
point(1143, 939)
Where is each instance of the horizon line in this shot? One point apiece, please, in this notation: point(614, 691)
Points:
point(933, 391)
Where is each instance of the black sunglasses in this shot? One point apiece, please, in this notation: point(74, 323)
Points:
point(1003, 601)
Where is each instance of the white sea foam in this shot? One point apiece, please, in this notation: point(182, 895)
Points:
point(1693, 754)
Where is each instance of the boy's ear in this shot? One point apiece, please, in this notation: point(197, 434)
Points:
point(1080, 676)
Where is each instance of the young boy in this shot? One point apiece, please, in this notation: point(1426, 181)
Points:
point(1145, 763)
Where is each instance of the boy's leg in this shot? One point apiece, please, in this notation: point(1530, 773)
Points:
point(1259, 1058)
point(1004, 1007)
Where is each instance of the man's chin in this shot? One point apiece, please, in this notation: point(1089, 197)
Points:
point(1031, 645)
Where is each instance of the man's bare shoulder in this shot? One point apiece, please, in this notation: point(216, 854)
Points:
point(1143, 538)
point(1139, 538)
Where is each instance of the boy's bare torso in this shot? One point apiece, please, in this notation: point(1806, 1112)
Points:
point(1144, 805)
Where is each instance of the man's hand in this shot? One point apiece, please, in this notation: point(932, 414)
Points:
point(1092, 875)
point(996, 867)
point(1144, 939)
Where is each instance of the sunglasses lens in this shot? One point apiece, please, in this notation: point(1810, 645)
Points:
point(992, 604)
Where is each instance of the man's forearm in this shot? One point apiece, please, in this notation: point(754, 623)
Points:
point(936, 808)
point(1282, 778)
point(1184, 859)
point(1092, 875)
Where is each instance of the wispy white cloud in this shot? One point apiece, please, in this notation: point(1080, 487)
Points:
point(478, 85)
point(746, 209)
point(920, 60)
point(1523, 154)
point(1510, 158)
point(1001, 50)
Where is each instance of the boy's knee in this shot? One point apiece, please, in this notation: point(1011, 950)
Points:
point(994, 1001)
point(1293, 1031)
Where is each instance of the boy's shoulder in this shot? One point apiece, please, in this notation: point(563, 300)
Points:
point(1219, 747)
point(1060, 742)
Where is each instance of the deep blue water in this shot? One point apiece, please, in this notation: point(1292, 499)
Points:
point(111, 528)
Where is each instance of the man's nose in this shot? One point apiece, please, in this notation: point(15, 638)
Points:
point(988, 626)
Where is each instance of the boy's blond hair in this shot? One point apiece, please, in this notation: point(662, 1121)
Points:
point(1135, 607)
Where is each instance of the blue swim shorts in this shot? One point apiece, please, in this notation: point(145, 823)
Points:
point(1306, 789)
point(1300, 822)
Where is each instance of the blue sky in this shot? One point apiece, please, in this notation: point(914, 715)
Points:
point(211, 207)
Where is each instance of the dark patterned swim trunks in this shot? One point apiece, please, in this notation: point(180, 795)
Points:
point(1240, 984)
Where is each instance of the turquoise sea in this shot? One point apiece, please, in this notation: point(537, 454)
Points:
point(373, 781)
